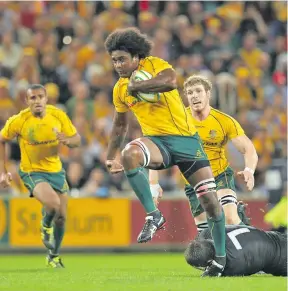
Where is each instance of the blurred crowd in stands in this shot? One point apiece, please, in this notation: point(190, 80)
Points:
point(240, 46)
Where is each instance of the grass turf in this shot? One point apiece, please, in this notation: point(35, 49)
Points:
point(121, 272)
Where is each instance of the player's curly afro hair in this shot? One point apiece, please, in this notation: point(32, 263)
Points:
point(130, 40)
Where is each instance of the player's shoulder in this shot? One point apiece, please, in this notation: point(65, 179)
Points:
point(55, 111)
point(21, 116)
point(119, 84)
point(154, 60)
point(221, 116)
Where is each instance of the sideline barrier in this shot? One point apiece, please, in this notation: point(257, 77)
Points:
point(104, 223)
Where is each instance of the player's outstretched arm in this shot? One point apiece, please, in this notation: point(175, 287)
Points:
point(246, 147)
point(164, 81)
point(119, 131)
point(5, 177)
point(74, 141)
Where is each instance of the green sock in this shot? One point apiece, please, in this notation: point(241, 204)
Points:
point(241, 223)
point(58, 237)
point(138, 180)
point(217, 228)
point(47, 218)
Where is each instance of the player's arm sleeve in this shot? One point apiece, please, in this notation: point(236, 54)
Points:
point(120, 106)
point(11, 128)
point(67, 126)
point(233, 128)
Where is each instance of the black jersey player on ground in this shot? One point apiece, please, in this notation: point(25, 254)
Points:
point(249, 251)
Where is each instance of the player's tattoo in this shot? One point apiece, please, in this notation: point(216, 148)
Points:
point(119, 130)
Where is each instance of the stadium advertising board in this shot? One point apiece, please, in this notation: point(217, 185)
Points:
point(90, 222)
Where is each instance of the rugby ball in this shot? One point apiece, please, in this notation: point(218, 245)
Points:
point(147, 97)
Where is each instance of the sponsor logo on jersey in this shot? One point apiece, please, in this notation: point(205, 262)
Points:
point(33, 141)
point(212, 144)
point(212, 134)
point(31, 135)
point(42, 142)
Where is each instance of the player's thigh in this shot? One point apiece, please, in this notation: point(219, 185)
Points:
point(63, 204)
point(193, 163)
point(40, 188)
point(46, 195)
point(147, 152)
point(59, 183)
point(191, 159)
point(225, 184)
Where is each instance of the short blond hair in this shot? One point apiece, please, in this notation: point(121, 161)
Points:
point(197, 79)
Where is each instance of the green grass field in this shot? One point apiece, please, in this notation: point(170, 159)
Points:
point(123, 272)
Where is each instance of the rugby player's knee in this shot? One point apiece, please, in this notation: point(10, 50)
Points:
point(53, 203)
point(211, 205)
point(231, 214)
point(232, 220)
point(131, 155)
point(206, 193)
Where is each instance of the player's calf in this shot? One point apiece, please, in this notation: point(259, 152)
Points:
point(136, 156)
point(133, 163)
point(51, 202)
point(47, 229)
point(58, 234)
point(47, 236)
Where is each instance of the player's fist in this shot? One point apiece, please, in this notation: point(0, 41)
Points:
point(61, 137)
point(248, 178)
point(5, 179)
point(156, 192)
point(114, 167)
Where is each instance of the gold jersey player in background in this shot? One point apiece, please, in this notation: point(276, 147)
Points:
point(170, 137)
point(215, 129)
point(39, 129)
